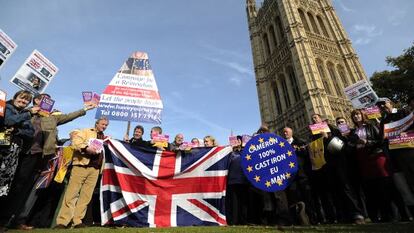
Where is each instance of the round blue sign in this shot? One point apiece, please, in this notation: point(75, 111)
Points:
point(269, 162)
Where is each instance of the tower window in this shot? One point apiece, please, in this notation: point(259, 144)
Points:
point(324, 79)
point(322, 25)
point(266, 45)
point(285, 91)
point(335, 80)
point(313, 23)
point(293, 81)
point(273, 35)
point(303, 19)
point(277, 98)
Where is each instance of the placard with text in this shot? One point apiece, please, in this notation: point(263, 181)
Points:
point(269, 162)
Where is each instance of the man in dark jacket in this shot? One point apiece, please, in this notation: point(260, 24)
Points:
point(402, 160)
point(331, 181)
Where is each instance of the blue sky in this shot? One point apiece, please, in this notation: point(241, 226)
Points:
point(199, 51)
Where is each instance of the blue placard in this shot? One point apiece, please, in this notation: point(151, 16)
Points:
point(269, 162)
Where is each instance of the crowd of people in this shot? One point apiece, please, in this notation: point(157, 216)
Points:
point(362, 180)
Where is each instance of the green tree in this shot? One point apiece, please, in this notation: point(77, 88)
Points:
point(397, 84)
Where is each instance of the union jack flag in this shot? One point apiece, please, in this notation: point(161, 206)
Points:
point(46, 176)
point(154, 188)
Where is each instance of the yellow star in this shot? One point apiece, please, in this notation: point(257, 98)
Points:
point(281, 144)
point(279, 182)
point(257, 178)
point(249, 168)
point(261, 140)
point(287, 175)
point(252, 147)
point(291, 164)
point(248, 157)
point(268, 184)
point(289, 153)
point(272, 139)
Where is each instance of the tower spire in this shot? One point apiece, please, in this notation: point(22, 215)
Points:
point(251, 8)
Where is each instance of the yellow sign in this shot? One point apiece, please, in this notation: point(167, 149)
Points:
point(316, 153)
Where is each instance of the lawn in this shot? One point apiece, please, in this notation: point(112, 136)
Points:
point(377, 228)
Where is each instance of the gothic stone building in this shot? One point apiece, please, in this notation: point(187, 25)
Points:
point(302, 60)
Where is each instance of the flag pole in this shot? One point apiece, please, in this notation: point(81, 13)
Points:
point(128, 128)
point(129, 122)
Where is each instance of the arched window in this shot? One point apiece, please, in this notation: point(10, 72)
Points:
point(285, 90)
point(335, 80)
point(273, 35)
point(277, 98)
point(293, 81)
point(313, 23)
point(325, 82)
point(342, 74)
point(266, 45)
point(304, 21)
point(279, 26)
point(322, 25)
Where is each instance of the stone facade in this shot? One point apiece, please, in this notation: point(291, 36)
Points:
point(302, 59)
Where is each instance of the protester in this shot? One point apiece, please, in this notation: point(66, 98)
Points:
point(237, 186)
point(87, 162)
point(210, 141)
point(195, 142)
point(402, 160)
point(373, 167)
point(299, 192)
point(12, 154)
point(34, 161)
point(137, 139)
point(178, 141)
point(352, 164)
point(18, 126)
point(331, 183)
point(156, 130)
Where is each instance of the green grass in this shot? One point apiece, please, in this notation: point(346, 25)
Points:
point(377, 228)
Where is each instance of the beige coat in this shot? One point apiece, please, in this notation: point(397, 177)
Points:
point(80, 140)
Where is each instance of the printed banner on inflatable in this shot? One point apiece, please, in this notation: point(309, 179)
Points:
point(7, 47)
point(269, 162)
point(132, 95)
point(35, 74)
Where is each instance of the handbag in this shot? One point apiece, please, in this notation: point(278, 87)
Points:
point(5, 138)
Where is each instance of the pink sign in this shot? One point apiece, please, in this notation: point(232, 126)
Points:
point(319, 128)
point(372, 112)
point(2, 103)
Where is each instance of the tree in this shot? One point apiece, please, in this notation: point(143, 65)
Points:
point(397, 84)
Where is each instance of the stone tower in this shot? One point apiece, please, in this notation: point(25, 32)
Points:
point(302, 59)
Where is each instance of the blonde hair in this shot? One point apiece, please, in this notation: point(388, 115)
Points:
point(213, 140)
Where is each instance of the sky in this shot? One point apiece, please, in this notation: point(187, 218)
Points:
point(199, 51)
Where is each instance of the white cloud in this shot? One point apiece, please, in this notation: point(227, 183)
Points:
point(183, 113)
point(236, 80)
point(232, 65)
point(397, 17)
point(343, 6)
point(364, 33)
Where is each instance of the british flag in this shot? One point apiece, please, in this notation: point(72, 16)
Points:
point(153, 188)
point(47, 175)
